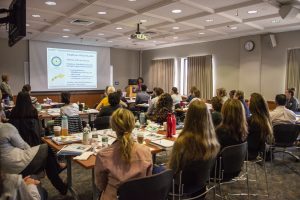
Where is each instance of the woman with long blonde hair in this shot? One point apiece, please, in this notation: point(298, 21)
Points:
point(124, 159)
point(197, 141)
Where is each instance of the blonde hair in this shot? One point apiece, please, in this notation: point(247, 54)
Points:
point(198, 140)
point(234, 118)
point(110, 89)
point(122, 121)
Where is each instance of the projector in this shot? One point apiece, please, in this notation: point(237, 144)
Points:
point(140, 36)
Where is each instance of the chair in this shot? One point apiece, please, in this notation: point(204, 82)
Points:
point(285, 136)
point(147, 188)
point(74, 123)
point(101, 123)
point(229, 165)
point(192, 181)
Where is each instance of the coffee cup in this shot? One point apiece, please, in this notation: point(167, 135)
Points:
point(140, 137)
point(57, 130)
point(165, 126)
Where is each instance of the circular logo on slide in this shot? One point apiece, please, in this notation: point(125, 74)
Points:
point(56, 61)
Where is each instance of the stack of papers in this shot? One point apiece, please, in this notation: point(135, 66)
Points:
point(92, 111)
point(67, 139)
point(163, 143)
point(74, 149)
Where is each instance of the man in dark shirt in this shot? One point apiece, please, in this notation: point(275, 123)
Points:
point(291, 102)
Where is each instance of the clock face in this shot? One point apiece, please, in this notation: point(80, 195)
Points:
point(249, 45)
point(56, 61)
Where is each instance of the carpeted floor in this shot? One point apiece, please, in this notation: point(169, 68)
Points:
point(283, 178)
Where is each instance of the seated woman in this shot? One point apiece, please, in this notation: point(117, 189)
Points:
point(164, 106)
point(222, 93)
point(259, 126)
point(123, 160)
point(114, 104)
point(104, 101)
point(17, 157)
point(191, 96)
point(240, 96)
point(24, 117)
point(175, 96)
point(153, 103)
point(216, 115)
point(196, 143)
point(27, 88)
point(233, 129)
point(69, 109)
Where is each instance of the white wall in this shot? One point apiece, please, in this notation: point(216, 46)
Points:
point(262, 70)
point(12, 63)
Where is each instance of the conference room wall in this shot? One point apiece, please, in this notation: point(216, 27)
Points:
point(12, 62)
point(262, 70)
point(226, 59)
point(126, 66)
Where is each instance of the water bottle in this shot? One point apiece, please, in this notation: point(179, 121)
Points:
point(169, 125)
point(64, 126)
point(173, 124)
point(104, 140)
point(85, 136)
point(90, 134)
point(142, 118)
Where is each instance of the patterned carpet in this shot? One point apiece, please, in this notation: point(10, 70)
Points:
point(283, 178)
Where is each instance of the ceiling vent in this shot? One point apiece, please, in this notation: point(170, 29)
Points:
point(82, 22)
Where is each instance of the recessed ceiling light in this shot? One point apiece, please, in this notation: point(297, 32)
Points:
point(252, 11)
point(175, 37)
point(65, 36)
point(143, 20)
point(109, 41)
point(275, 21)
point(201, 33)
point(50, 3)
point(131, 0)
point(36, 15)
point(233, 28)
point(119, 28)
point(154, 41)
point(129, 38)
point(176, 11)
point(209, 20)
point(66, 30)
point(175, 27)
point(102, 13)
point(27, 25)
point(100, 33)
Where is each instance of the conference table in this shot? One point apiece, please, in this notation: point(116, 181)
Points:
point(89, 164)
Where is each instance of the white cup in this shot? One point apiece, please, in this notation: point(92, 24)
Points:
point(165, 126)
point(57, 130)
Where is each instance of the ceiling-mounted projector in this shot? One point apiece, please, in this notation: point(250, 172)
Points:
point(141, 35)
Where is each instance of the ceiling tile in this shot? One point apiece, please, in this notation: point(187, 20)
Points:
point(214, 4)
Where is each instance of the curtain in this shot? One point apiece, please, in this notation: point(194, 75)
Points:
point(162, 74)
point(200, 75)
point(293, 71)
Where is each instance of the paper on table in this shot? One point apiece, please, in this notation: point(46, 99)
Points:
point(84, 156)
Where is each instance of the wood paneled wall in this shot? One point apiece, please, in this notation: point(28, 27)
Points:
point(89, 98)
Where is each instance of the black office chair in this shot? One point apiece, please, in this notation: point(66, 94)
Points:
point(155, 187)
point(74, 123)
point(285, 136)
point(193, 181)
point(101, 123)
point(229, 165)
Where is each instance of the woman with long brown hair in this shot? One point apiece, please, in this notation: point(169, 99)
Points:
point(197, 141)
point(123, 160)
point(260, 128)
point(233, 129)
point(164, 106)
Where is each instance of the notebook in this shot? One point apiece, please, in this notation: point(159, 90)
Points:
point(67, 139)
point(163, 143)
point(74, 149)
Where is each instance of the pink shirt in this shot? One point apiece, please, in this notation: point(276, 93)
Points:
point(111, 170)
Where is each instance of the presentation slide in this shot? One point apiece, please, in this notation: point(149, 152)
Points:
point(68, 68)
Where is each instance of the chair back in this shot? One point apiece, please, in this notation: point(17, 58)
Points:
point(101, 123)
point(147, 188)
point(286, 134)
point(233, 157)
point(195, 175)
point(74, 123)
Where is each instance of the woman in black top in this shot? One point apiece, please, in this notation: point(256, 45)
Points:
point(216, 115)
point(260, 128)
point(24, 117)
point(114, 104)
point(233, 129)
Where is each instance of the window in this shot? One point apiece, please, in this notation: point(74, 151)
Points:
point(183, 76)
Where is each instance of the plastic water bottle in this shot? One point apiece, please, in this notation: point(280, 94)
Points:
point(142, 118)
point(104, 140)
point(64, 126)
point(85, 136)
point(90, 135)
